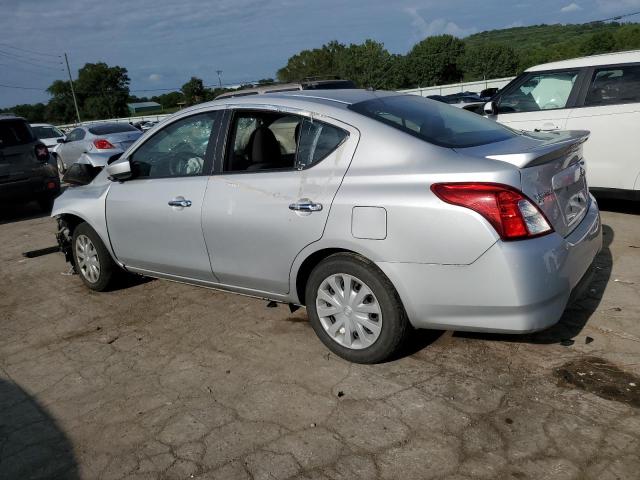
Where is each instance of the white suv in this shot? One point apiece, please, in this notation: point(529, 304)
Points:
point(601, 94)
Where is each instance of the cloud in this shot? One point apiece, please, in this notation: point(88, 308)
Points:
point(155, 77)
point(572, 7)
point(423, 28)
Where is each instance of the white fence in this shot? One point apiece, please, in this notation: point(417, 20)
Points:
point(459, 87)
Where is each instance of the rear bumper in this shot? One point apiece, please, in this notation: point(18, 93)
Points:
point(514, 287)
point(29, 189)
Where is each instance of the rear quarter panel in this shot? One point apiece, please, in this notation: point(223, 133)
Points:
point(394, 171)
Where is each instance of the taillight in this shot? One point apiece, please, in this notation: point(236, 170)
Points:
point(42, 152)
point(512, 214)
point(102, 144)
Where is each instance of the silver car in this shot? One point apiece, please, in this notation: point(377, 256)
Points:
point(377, 211)
point(104, 138)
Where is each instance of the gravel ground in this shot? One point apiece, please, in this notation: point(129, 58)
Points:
point(163, 380)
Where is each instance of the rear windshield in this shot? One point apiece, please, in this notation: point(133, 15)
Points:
point(47, 132)
point(108, 128)
point(14, 132)
point(434, 122)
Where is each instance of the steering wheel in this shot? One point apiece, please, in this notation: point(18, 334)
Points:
point(185, 163)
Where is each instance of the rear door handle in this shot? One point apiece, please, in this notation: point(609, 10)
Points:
point(305, 206)
point(180, 202)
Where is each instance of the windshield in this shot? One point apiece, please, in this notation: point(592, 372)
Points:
point(108, 128)
point(14, 132)
point(47, 132)
point(434, 122)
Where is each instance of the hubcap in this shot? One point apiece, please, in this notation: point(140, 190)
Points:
point(349, 311)
point(87, 257)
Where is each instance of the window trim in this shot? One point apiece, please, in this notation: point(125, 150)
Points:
point(229, 138)
point(207, 167)
point(519, 81)
point(586, 85)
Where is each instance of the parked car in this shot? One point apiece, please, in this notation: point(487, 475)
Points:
point(308, 84)
point(378, 211)
point(27, 171)
point(601, 94)
point(107, 138)
point(47, 134)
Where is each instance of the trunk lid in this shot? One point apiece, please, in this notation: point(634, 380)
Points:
point(123, 140)
point(552, 172)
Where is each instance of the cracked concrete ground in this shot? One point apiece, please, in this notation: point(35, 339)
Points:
point(162, 380)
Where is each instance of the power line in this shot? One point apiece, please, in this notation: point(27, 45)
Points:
point(29, 51)
point(22, 56)
point(22, 88)
point(47, 67)
point(618, 17)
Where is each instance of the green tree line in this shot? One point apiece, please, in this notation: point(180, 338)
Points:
point(103, 91)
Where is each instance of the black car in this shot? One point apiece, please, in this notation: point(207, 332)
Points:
point(27, 170)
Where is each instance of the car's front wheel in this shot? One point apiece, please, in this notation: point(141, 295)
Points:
point(61, 169)
point(355, 310)
point(93, 262)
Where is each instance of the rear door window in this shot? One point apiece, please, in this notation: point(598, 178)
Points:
point(275, 141)
point(539, 91)
point(14, 132)
point(614, 85)
point(109, 128)
point(316, 141)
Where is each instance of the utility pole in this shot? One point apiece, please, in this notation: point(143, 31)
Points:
point(219, 72)
point(73, 93)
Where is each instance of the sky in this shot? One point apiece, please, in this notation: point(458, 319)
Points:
point(162, 43)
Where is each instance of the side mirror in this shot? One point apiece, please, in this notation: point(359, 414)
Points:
point(61, 140)
point(119, 171)
point(490, 108)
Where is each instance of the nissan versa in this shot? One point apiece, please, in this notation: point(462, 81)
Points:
point(377, 211)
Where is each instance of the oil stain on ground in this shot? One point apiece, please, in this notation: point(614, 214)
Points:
point(602, 378)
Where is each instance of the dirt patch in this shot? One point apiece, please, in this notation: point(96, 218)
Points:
point(602, 378)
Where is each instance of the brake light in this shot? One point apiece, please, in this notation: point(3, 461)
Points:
point(512, 214)
point(102, 144)
point(42, 152)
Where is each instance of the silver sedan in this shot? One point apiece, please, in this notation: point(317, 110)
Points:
point(377, 211)
point(106, 138)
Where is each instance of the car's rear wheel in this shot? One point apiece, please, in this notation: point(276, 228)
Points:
point(355, 310)
point(93, 262)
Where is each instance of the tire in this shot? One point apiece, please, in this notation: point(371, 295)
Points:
point(373, 337)
point(95, 255)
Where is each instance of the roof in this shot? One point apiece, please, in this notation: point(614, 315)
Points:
point(143, 104)
point(592, 61)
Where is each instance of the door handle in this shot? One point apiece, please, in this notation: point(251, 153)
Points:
point(305, 206)
point(180, 202)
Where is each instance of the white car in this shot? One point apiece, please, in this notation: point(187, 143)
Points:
point(47, 134)
point(601, 94)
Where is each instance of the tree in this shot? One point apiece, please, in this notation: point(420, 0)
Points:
point(369, 64)
point(319, 62)
point(489, 61)
point(101, 91)
point(435, 61)
point(169, 100)
point(601, 42)
point(194, 91)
